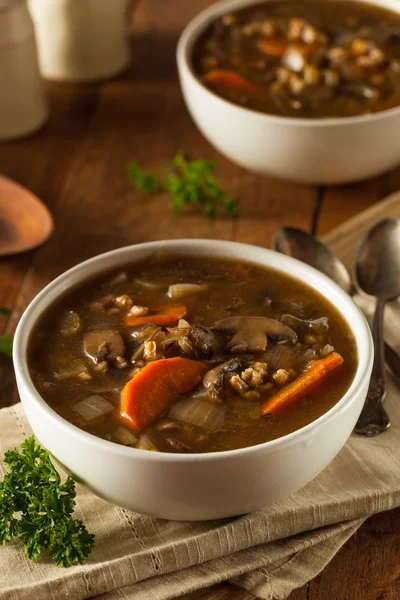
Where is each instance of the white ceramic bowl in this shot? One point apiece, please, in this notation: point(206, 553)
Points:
point(314, 151)
point(196, 486)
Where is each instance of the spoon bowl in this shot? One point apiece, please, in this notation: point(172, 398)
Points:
point(378, 261)
point(25, 222)
point(305, 247)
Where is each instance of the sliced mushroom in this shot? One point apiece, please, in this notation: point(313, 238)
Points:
point(103, 303)
point(177, 446)
point(251, 333)
point(103, 344)
point(194, 341)
point(214, 380)
point(316, 326)
point(147, 335)
point(202, 340)
point(217, 374)
point(168, 425)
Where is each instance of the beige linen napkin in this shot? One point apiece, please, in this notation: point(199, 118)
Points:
point(269, 553)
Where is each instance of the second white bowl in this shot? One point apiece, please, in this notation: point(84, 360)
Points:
point(314, 151)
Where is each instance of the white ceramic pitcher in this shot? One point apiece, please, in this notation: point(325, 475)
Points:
point(81, 40)
point(23, 107)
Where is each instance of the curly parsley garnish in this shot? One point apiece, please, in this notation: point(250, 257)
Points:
point(36, 507)
point(188, 182)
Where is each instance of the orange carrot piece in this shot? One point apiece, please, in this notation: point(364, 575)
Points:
point(167, 316)
point(155, 389)
point(272, 47)
point(229, 79)
point(305, 383)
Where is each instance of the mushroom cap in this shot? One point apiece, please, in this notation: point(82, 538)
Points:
point(214, 380)
point(103, 344)
point(251, 333)
point(217, 373)
point(315, 326)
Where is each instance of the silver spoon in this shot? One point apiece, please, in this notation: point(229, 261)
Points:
point(378, 274)
point(305, 247)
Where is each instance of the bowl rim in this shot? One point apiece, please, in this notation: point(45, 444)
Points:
point(128, 255)
point(199, 23)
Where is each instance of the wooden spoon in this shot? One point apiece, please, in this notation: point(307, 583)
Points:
point(25, 222)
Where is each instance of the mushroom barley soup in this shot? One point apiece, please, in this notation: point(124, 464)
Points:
point(304, 58)
point(192, 355)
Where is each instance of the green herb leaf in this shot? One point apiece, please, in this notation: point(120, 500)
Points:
point(6, 312)
point(37, 507)
point(6, 344)
point(145, 182)
point(188, 182)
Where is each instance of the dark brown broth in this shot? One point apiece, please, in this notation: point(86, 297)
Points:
point(233, 290)
point(351, 89)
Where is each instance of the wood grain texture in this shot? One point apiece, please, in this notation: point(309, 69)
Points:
point(25, 222)
point(76, 165)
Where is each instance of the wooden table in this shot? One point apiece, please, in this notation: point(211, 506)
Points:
point(77, 166)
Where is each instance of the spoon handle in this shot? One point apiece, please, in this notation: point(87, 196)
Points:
point(373, 418)
point(392, 359)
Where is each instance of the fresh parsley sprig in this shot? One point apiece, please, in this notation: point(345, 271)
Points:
point(37, 507)
point(188, 182)
point(6, 340)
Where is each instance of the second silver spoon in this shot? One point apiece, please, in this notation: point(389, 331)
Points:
point(378, 274)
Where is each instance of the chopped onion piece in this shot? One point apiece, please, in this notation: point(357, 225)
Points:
point(183, 324)
point(119, 278)
point(146, 443)
point(73, 369)
point(125, 437)
point(150, 285)
point(202, 414)
point(178, 290)
point(185, 345)
point(93, 407)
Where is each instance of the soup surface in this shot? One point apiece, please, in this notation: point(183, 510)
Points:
point(304, 58)
point(192, 355)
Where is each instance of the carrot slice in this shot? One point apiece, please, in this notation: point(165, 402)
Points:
point(305, 383)
point(168, 315)
point(272, 47)
point(229, 79)
point(155, 389)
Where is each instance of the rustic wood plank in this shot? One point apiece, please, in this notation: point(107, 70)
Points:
point(366, 568)
point(343, 202)
point(267, 204)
